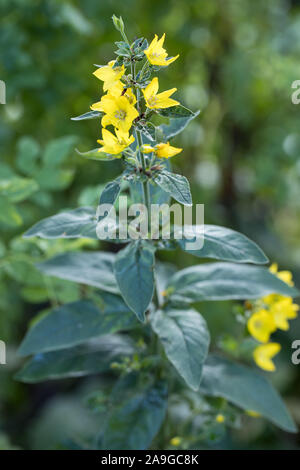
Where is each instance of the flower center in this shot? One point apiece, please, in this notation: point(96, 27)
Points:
point(155, 55)
point(152, 101)
point(120, 115)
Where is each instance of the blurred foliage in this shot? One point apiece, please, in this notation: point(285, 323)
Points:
point(238, 61)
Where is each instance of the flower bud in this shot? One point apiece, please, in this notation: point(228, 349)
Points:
point(118, 23)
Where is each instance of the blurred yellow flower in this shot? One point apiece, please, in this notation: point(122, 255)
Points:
point(175, 441)
point(253, 414)
point(282, 310)
point(109, 75)
point(160, 100)
point(119, 112)
point(114, 144)
point(260, 325)
point(156, 54)
point(285, 276)
point(162, 150)
point(263, 355)
point(220, 418)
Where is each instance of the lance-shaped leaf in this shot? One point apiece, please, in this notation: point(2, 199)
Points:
point(91, 358)
point(88, 115)
point(74, 323)
point(134, 270)
point(221, 243)
point(91, 268)
point(77, 223)
point(175, 185)
point(185, 337)
point(245, 388)
point(223, 281)
point(110, 194)
point(135, 422)
point(95, 154)
point(176, 112)
point(176, 125)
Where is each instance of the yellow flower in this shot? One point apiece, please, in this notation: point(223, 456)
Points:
point(156, 54)
point(282, 310)
point(220, 418)
point(109, 75)
point(285, 276)
point(117, 90)
point(119, 112)
point(175, 441)
point(162, 150)
point(263, 355)
point(160, 100)
point(260, 325)
point(253, 414)
point(114, 144)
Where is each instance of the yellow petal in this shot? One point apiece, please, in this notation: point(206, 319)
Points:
point(260, 325)
point(151, 89)
point(263, 355)
point(166, 150)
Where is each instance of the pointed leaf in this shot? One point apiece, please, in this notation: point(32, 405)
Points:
point(134, 270)
point(91, 268)
point(88, 115)
point(175, 185)
point(134, 423)
point(176, 125)
point(176, 112)
point(76, 322)
point(245, 388)
point(87, 359)
point(77, 223)
point(223, 281)
point(222, 243)
point(95, 154)
point(185, 337)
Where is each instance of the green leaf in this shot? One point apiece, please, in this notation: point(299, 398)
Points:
point(223, 281)
point(77, 223)
point(8, 213)
point(176, 125)
point(57, 150)
point(134, 270)
point(88, 115)
point(135, 422)
point(27, 153)
point(76, 322)
point(245, 388)
point(185, 337)
point(87, 359)
point(17, 189)
point(95, 154)
point(54, 179)
point(176, 112)
point(110, 194)
point(175, 185)
point(91, 268)
point(222, 243)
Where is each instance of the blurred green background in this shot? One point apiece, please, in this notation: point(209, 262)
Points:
point(238, 59)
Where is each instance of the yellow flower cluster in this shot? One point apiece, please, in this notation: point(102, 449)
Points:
point(118, 104)
point(118, 107)
point(272, 312)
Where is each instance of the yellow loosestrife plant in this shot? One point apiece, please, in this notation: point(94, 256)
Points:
point(137, 322)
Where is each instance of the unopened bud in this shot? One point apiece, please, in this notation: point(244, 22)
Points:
point(118, 23)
